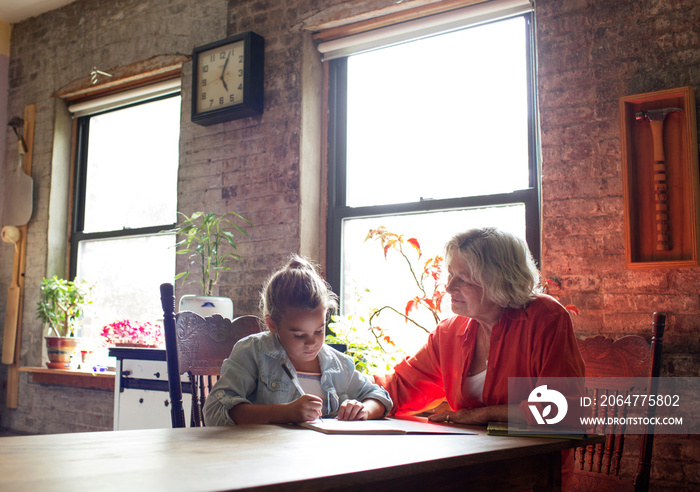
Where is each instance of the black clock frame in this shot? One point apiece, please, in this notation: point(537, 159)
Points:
point(253, 80)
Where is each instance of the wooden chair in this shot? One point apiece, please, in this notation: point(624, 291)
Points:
point(197, 346)
point(598, 467)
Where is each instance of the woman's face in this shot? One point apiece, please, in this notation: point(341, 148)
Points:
point(301, 333)
point(467, 295)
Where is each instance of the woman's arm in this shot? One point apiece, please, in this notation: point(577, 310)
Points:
point(476, 416)
point(416, 383)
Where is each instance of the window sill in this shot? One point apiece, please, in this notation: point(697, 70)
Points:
point(71, 377)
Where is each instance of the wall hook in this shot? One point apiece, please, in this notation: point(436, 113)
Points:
point(94, 73)
point(17, 125)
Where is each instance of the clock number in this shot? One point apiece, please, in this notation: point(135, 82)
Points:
point(240, 59)
point(231, 98)
point(240, 87)
point(212, 58)
point(204, 96)
point(221, 100)
point(240, 73)
point(222, 55)
point(204, 82)
point(205, 68)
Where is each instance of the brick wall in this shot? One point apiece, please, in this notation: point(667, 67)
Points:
point(591, 53)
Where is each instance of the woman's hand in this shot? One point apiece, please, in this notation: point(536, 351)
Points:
point(305, 408)
point(352, 410)
point(473, 416)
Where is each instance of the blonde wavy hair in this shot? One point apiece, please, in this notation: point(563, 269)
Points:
point(296, 285)
point(500, 263)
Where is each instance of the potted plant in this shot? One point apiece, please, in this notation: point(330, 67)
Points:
point(203, 238)
point(61, 303)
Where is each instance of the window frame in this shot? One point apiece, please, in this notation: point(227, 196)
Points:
point(338, 211)
point(80, 190)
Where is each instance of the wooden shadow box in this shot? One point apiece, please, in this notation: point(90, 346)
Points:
point(661, 186)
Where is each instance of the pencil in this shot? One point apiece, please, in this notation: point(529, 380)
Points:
point(295, 381)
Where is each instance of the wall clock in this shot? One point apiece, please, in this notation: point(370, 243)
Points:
point(227, 79)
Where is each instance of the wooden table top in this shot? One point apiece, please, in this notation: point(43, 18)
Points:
point(235, 458)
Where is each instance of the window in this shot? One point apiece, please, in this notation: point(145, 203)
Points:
point(428, 138)
point(126, 195)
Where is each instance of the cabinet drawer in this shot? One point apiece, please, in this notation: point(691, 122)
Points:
point(145, 369)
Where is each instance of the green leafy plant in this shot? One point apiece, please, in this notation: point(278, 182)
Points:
point(61, 303)
point(204, 234)
point(360, 341)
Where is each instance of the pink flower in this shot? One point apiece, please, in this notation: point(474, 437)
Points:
point(133, 332)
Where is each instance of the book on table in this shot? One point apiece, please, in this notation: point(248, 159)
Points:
point(404, 425)
point(516, 430)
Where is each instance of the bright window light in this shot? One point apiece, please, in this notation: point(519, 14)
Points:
point(440, 117)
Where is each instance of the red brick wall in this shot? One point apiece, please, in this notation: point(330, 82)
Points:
point(591, 53)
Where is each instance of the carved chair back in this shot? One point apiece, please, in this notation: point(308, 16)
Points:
point(202, 345)
point(197, 347)
point(598, 467)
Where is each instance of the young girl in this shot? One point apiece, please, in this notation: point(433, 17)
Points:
point(287, 374)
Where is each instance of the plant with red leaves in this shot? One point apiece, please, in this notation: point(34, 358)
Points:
point(371, 345)
point(429, 296)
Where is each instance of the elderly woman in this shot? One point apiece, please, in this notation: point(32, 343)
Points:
point(504, 327)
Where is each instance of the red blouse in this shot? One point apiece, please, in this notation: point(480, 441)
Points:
point(534, 342)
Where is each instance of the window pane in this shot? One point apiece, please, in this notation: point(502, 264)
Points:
point(441, 117)
point(132, 167)
point(127, 274)
point(389, 281)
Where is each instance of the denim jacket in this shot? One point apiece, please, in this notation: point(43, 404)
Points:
point(253, 374)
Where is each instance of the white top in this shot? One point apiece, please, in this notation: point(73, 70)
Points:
point(311, 384)
point(474, 386)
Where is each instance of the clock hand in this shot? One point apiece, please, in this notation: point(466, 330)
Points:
point(223, 71)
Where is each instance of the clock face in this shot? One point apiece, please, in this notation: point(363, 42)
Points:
point(220, 77)
point(228, 79)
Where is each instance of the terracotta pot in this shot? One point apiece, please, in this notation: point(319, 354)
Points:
point(61, 351)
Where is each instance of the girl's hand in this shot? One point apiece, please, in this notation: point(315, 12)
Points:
point(305, 408)
point(352, 410)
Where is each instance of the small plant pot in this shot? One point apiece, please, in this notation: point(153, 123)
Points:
point(207, 305)
point(61, 351)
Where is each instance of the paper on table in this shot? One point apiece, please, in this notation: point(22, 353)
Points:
point(384, 426)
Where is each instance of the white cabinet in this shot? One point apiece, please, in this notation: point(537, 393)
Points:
point(141, 398)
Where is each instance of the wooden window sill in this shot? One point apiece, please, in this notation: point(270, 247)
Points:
point(71, 377)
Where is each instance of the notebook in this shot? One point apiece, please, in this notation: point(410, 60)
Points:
point(402, 426)
point(503, 429)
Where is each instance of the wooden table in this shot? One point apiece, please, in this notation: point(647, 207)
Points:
point(269, 457)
